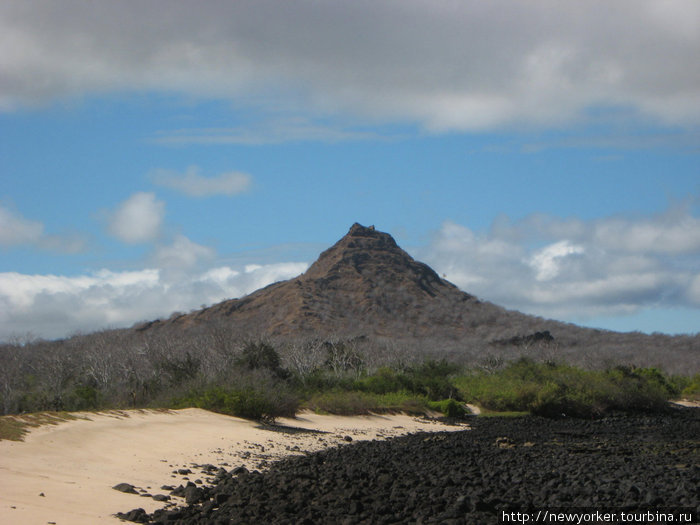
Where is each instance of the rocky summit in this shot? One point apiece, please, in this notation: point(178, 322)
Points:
point(365, 284)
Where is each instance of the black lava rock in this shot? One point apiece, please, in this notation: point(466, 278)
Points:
point(467, 477)
point(125, 487)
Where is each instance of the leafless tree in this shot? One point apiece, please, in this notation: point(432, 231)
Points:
point(303, 356)
point(344, 356)
point(10, 376)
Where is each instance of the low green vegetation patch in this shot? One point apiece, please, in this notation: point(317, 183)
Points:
point(689, 387)
point(508, 413)
point(352, 402)
point(414, 390)
point(432, 380)
point(249, 403)
point(450, 408)
point(554, 390)
point(14, 428)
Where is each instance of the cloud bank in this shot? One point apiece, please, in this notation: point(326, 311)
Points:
point(572, 269)
point(468, 65)
point(52, 306)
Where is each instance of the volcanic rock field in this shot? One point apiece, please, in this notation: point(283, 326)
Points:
point(523, 464)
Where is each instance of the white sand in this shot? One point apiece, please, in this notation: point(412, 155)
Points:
point(687, 403)
point(75, 464)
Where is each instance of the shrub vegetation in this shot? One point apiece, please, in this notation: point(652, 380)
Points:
point(258, 380)
point(554, 390)
point(249, 403)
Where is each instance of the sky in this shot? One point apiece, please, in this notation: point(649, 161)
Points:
point(163, 155)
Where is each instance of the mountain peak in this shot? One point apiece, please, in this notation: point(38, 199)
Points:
point(366, 237)
point(359, 247)
point(364, 283)
point(358, 230)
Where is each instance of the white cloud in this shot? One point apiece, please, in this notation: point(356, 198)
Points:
point(673, 233)
point(55, 306)
point(16, 230)
point(467, 65)
point(573, 269)
point(547, 261)
point(181, 255)
point(138, 219)
point(251, 277)
point(258, 276)
point(220, 275)
point(195, 185)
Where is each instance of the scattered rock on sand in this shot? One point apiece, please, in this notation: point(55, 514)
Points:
point(125, 487)
point(137, 515)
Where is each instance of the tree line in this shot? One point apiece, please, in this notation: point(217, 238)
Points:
point(131, 368)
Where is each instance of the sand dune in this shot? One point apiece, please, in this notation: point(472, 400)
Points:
point(64, 473)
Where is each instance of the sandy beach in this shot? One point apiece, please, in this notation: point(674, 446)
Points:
point(63, 474)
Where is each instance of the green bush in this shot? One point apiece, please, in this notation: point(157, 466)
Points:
point(633, 392)
point(554, 390)
point(656, 377)
point(382, 381)
point(84, 397)
point(261, 355)
point(248, 403)
point(343, 403)
point(692, 389)
point(320, 381)
point(348, 403)
point(34, 401)
point(497, 392)
point(450, 408)
point(432, 379)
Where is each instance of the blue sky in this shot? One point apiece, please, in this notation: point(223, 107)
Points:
point(542, 156)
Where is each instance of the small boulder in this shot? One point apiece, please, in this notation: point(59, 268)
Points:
point(126, 488)
point(240, 471)
point(193, 495)
point(136, 515)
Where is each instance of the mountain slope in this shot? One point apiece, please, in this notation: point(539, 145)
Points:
point(365, 284)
